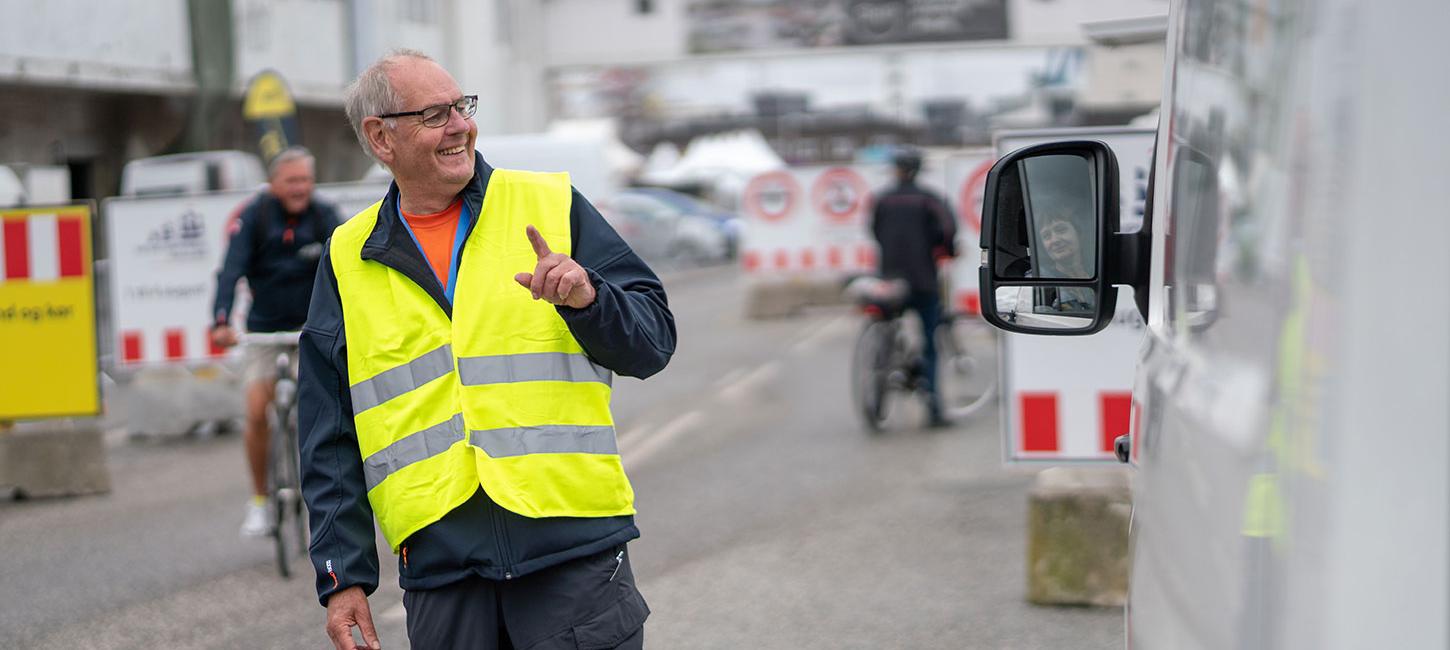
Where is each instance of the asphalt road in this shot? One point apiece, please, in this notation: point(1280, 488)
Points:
point(770, 519)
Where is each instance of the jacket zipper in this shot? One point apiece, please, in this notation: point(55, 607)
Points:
point(500, 538)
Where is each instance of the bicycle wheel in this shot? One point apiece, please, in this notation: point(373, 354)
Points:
point(277, 488)
point(966, 366)
point(294, 519)
point(289, 516)
point(870, 366)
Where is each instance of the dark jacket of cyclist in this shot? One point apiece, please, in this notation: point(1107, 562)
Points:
point(277, 253)
point(914, 228)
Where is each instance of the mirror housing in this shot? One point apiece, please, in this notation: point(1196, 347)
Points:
point(1035, 186)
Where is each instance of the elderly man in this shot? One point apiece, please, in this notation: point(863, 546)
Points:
point(455, 382)
point(275, 243)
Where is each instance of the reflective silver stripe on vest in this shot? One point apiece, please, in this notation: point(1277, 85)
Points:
point(549, 439)
point(418, 446)
point(402, 379)
point(537, 366)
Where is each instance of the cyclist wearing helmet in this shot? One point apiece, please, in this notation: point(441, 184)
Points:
point(914, 229)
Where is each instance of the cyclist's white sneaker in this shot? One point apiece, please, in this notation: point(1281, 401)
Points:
point(257, 523)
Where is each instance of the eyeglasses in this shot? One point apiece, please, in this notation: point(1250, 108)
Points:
point(436, 116)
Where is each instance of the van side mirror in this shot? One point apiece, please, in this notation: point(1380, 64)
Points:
point(1050, 218)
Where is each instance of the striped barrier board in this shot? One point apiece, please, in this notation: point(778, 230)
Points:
point(1066, 399)
point(815, 221)
point(48, 343)
point(165, 253)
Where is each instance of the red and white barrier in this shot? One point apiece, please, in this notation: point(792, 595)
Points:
point(170, 344)
point(42, 248)
point(815, 221)
point(1068, 398)
point(165, 252)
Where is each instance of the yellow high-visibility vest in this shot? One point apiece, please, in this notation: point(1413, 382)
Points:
point(501, 397)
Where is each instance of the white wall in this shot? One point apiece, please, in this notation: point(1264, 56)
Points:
point(1060, 21)
point(602, 32)
point(497, 51)
point(894, 84)
point(304, 40)
point(118, 44)
point(1119, 77)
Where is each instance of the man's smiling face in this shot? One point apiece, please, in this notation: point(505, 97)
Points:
point(430, 159)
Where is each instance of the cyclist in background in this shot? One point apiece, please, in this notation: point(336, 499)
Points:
point(914, 228)
point(275, 243)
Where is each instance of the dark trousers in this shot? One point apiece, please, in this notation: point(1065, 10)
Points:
point(927, 305)
point(590, 602)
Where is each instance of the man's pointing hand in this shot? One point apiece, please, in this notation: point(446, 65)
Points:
point(557, 279)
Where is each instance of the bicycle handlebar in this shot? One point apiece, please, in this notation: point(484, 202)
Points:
point(270, 338)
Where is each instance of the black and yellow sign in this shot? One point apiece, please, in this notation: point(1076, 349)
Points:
point(270, 109)
point(48, 362)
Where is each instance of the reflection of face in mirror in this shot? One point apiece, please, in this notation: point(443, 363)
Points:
point(1048, 307)
point(1046, 219)
point(1064, 259)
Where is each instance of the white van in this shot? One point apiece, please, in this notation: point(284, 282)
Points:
point(1290, 432)
point(192, 173)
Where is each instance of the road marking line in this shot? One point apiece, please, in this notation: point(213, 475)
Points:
point(761, 374)
point(814, 338)
point(729, 377)
point(663, 436)
point(641, 431)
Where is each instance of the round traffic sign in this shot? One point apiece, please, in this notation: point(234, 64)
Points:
point(839, 194)
point(770, 196)
point(969, 202)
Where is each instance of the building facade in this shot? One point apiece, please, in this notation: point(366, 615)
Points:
point(89, 85)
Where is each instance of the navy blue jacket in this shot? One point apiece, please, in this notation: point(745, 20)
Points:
point(277, 253)
point(913, 226)
point(629, 329)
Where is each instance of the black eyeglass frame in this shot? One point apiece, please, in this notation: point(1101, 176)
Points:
point(468, 108)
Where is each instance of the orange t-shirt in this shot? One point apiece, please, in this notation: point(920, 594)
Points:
point(435, 233)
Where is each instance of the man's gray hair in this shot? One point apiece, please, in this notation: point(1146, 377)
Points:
point(373, 94)
point(294, 152)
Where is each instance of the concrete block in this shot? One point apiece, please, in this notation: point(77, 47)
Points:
point(1077, 537)
point(53, 458)
point(168, 401)
point(782, 297)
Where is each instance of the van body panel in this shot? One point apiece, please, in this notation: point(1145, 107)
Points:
point(1291, 437)
point(192, 173)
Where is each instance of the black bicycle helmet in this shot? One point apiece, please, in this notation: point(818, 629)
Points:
point(907, 159)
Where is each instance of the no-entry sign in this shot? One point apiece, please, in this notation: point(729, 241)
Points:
point(839, 194)
point(771, 196)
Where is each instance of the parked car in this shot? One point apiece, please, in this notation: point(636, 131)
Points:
point(726, 221)
point(660, 231)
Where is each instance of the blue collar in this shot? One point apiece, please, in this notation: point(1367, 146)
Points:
point(458, 237)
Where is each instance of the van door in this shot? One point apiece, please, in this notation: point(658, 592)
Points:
point(1206, 517)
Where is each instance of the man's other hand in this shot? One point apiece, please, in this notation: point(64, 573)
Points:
point(557, 278)
point(224, 336)
point(347, 609)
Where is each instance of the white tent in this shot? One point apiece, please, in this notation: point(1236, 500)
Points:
point(718, 160)
point(661, 160)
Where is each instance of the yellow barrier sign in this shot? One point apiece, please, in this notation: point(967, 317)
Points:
point(48, 362)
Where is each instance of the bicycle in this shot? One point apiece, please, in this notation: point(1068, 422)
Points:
point(284, 477)
point(887, 358)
